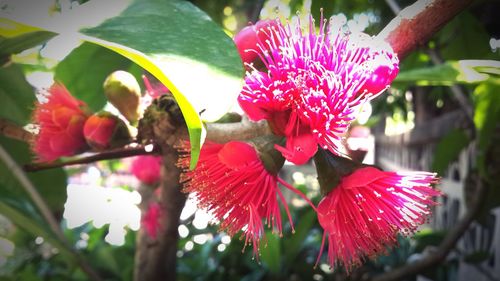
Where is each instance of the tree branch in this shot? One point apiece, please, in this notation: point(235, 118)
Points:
point(446, 246)
point(244, 130)
point(107, 155)
point(13, 131)
point(417, 23)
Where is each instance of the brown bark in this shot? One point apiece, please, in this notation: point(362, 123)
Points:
point(155, 259)
point(417, 23)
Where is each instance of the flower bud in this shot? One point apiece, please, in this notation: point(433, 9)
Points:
point(123, 91)
point(249, 37)
point(103, 130)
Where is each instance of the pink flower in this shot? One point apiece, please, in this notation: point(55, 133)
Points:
point(363, 214)
point(147, 168)
point(249, 37)
point(232, 182)
point(61, 121)
point(151, 220)
point(315, 83)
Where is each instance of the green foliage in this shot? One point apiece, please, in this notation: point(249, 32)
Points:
point(51, 184)
point(464, 38)
point(448, 149)
point(16, 94)
point(178, 43)
point(486, 116)
point(23, 42)
point(451, 72)
point(84, 70)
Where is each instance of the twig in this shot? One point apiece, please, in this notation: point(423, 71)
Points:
point(44, 209)
point(415, 24)
point(446, 246)
point(107, 155)
point(236, 131)
point(13, 131)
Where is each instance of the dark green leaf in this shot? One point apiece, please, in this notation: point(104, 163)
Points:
point(84, 70)
point(16, 94)
point(448, 149)
point(465, 38)
point(23, 42)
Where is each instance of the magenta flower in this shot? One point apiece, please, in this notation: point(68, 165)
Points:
point(314, 84)
point(232, 182)
point(147, 168)
point(363, 214)
point(151, 220)
point(61, 121)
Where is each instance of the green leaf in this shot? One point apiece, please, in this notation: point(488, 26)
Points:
point(185, 50)
point(451, 72)
point(16, 94)
point(84, 70)
point(15, 37)
point(295, 243)
point(31, 225)
point(486, 116)
point(448, 149)
point(23, 42)
point(270, 252)
point(465, 37)
point(51, 184)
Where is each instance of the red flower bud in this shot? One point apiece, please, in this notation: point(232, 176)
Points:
point(250, 37)
point(61, 121)
point(104, 130)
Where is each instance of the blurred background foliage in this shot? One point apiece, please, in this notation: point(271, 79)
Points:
point(30, 251)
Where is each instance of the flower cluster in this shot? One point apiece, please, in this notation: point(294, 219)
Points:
point(309, 89)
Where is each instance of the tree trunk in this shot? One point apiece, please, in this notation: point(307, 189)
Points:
point(156, 259)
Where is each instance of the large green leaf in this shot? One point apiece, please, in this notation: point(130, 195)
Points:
point(486, 116)
point(51, 184)
point(448, 149)
point(16, 94)
point(185, 50)
point(451, 72)
point(84, 70)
